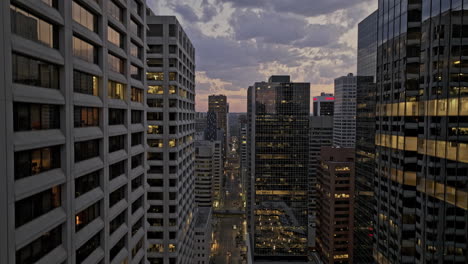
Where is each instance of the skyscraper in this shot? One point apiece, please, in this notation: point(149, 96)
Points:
point(365, 140)
point(279, 121)
point(335, 188)
point(219, 105)
point(421, 154)
point(208, 169)
point(171, 94)
point(321, 135)
point(344, 122)
point(73, 153)
point(323, 105)
point(367, 46)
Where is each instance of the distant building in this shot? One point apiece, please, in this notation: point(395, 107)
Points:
point(321, 135)
point(203, 233)
point(204, 173)
point(335, 187)
point(219, 105)
point(365, 140)
point(279, 155)
point(323, 105)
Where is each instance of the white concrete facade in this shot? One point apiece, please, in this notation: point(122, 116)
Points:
point(59, 201)
point(344, 122)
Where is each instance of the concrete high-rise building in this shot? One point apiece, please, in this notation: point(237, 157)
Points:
point(321, 135)
point(219, 105)
point(208, 168)
point(201, 125)
point(243, 155)
point(73, 164)
point(203, 234)
point(421, 122)
point(212, 131)
point(335, 187)
point(367, 46)
point(171, 101)
point(323, 105)
point(344, 116)
point(218, 172)
point(365, 141)
point(279, 119)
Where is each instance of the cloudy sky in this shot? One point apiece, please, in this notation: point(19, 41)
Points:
point(239, 42)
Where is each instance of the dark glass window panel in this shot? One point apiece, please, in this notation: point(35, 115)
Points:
point(137, 139)
point(115, 11)
point(117, 195)
point(87, 248)
point(85, 83)
point(155, 30)
point(86, 150)
point(155, 62)
point(86, 116)
point(116, 169)
point(33, 28)
point(137, 160)
point(117, 222)
point(137, 204)
point(30, 71)
point(172, 30)
point(156, 49)
point(137, 116)
point(84, 17)
point(137, 182)
point(116, 116)
point(86, 216)
point(116, 143)
point(84, 50)
point(117, 248)
point(40, 247)
point(35, 161)
point(35, 116)
point(87, 183)
point(34, 206)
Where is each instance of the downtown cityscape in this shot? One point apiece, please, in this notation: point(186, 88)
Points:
point(234, 132)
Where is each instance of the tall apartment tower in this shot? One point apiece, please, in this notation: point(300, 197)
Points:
point(279, 121)
point(208, 172)
point(365, 140)
point(219, 105)
point(320, 135)
point(422, 149)
point(72, 122)
point(335, 189)
point(323, 105)
point(171, 129)
point(344, 122)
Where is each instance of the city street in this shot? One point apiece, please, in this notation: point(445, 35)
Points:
point(229, 228)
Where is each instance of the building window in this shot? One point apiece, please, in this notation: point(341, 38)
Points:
point(116, 143)
point(116, 90)
point(135, 50)
point(137, 139)
point(117, 222)
point(33, 28)
point(34, 72)
point(84, 17)
point(35, 116)
point(136, 6)
point(172, 30)
point(155, 30)
point(39, 204)
point(87, 183)
point(137, 204)
point(115, 63)
point(155, 62)
point(135, 72)
point(116, 169)
point(173, 49)
point(137, 248)
point(116, 116)
point(137, 116)
point(35, 161)
point(156, 49)
point(155, 76)
point(137, 95)
point(117, 248)
point(115, 11)
point(155, 129)
point(155, 102)
point(86, 216)
point(40, 247)
point(117, 195)
point(172, 76)
point(135, 28)
point(84, 50)
point(87, 248)
point(85, 83)
point(86, 150)
point(155, 89)
point(137, 182)
point(86, 116)
point(137, 161)
point(114, 37)
point(51, 3)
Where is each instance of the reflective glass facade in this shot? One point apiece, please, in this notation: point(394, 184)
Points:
point(280, 153)
point(422, 180)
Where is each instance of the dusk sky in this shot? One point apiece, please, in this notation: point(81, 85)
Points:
point(245, 41)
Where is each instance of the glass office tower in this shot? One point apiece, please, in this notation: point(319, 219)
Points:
point(279, 166)
point(422, 151)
